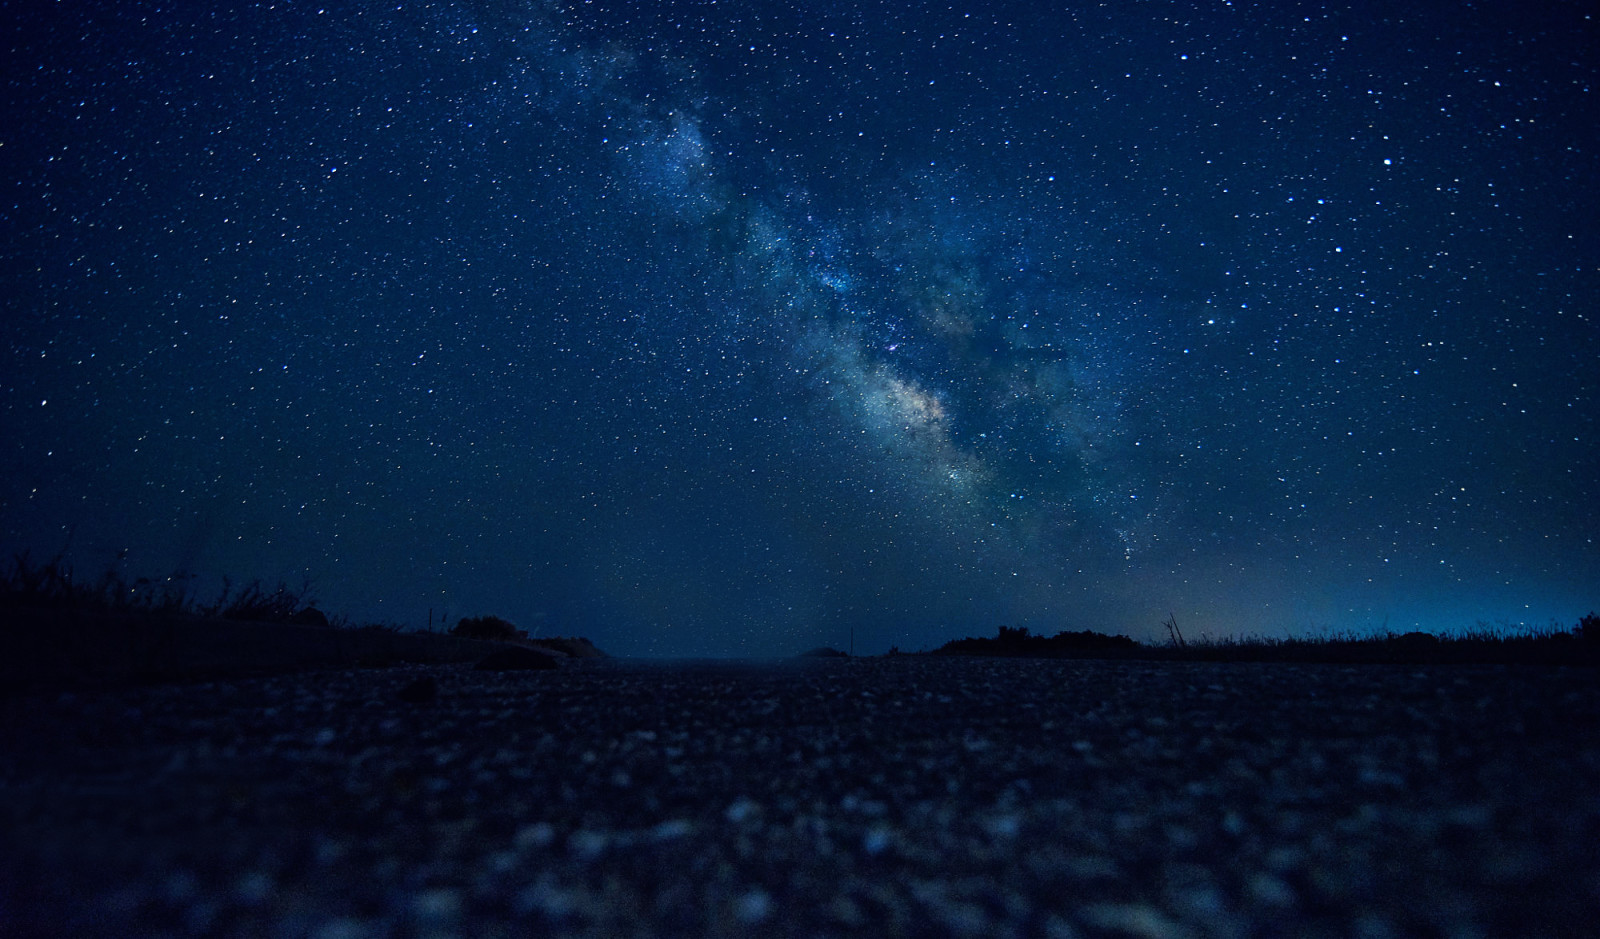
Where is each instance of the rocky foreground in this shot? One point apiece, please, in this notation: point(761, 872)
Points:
point(899, 796)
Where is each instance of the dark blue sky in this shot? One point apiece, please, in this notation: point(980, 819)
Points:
point(723, 328)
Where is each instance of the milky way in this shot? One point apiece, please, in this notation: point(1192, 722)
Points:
point(716, 328)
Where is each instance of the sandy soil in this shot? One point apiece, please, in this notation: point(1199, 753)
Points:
point(904, 796)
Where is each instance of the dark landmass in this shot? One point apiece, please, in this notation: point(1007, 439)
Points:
point(1579, 646)
point(70, 648)
point(56, 631)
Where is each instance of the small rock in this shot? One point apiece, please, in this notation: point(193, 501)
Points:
point(754, 907)
point(515, 659)
point(441, 905)
point(1272, 891)
point(876, 841)
point(253, 889)
point(742, 810)
point(536, 835)
point(671, 829)
point(589, 844)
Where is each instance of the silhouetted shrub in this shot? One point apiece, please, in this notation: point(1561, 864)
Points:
point(51, 585)
point(26, 584)
point(485, 627)
point(1589, 629)
point(1412, 648)
point(310, 616)
point(1018, 641)
point(259, 605)
point(1089, 639)
point(1012, 635)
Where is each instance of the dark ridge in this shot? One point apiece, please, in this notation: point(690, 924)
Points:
point(1483, 645)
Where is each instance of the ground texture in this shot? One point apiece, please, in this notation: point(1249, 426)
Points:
point(899, 796)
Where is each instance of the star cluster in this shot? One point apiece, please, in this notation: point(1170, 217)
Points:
point(724, 328)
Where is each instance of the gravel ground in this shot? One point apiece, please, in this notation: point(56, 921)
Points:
point(900, 796)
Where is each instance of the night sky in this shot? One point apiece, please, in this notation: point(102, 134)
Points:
point(723, 328)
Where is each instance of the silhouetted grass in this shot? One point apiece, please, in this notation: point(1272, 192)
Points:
point(487, 627)
point(56, 629)
point(52, 585)
point(1018, 642)
point(47, 597)
point(1482, 644)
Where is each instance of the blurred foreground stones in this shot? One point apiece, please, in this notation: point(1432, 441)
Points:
point(905, 796)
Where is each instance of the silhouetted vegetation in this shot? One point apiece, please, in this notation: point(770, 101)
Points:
point(1174, 634)
point(486, 627)
point(256, 604)
point(1589, 629)
point(56, 629)
point(1018, 641)
point(1483, 644)
point(495, 629)
point(52, 585)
